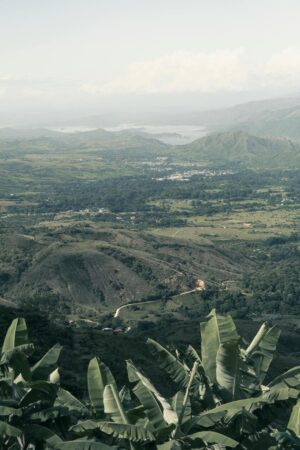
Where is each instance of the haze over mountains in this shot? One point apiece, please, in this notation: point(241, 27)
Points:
point(257, 135)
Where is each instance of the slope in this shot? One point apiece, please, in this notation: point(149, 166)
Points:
point(245, 150)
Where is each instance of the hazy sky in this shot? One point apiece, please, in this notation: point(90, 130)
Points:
point(95, 54)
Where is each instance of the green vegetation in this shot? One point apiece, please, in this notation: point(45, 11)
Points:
point(92, 221)
point(216, 399)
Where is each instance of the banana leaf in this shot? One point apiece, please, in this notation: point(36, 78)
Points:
point(135, 375)
point(16, 335)
point(294, 421)
point(133, 433)
point(265, 351)
point(113, 405)
point(84, 426)
point(9, 430)
point(9, 411)
point(98, 376)
point(211, 437)
point(39, 433)
point(215, 415)
point(235, 377)
point(150, 405)
point(174, 368)
point(39, 391)
point(216, 331)
point(177, 405)
point(170, 445)
point(66, 399)
point(45, 366)
point(290, 378)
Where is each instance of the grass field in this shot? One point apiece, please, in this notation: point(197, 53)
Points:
point(244, 225)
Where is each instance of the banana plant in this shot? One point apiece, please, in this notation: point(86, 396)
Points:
point(220, 401)
point(35, 412)
point(227, 394)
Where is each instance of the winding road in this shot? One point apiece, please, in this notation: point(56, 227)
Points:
point(152, 301)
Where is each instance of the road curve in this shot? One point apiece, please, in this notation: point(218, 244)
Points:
point(151, 301)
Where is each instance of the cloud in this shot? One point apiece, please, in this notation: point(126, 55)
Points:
point(283, 68)
point(222, 70)
point(179, 72)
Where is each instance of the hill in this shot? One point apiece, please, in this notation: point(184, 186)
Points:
point(269, 118)
point(245, 150)
point(103, 270)
point(56, 141)
point(285, 122)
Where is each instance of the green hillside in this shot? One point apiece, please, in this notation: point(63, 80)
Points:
point(268, 118)
point(245, 150)
point(103, 270)
point(286, 124)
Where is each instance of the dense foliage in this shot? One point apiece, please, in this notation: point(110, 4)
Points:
point(219, 400)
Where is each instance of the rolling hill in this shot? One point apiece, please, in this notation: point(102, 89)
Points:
point(278, 117)
point(242, 149)
point(109, 268)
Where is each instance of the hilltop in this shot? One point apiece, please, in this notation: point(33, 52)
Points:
point(108, 268)
point(270, 118)
point(243, 149)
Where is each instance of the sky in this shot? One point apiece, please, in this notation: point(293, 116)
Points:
point(94, 56)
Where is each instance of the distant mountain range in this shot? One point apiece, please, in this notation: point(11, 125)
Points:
point(234, 146)
point(269, 118)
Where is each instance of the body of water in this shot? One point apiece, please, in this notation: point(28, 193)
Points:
point(169, 134)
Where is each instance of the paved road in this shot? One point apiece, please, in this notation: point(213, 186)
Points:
point(151, 301)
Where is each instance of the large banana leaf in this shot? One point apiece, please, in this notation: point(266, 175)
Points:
point(235, 378)
point(290, 378)
point(84, 426)
point(113, 405)
point(18, 361)
point(264, 353)
point(45, 366)
point(136, 415)
point(294, 422)
point(150, 405)
point(170, 445)
point(9, 411)
point(211, 437)
point(135, 375)
point(23, 349)
point(192, 354)
point(39, 433)
point(66, 399)
point(213, 416)
point(177, 405)
point(9, 430)
point(98, 376)
point(133, 433)
point(216, 331)
point(16, 335)
point(176, 370)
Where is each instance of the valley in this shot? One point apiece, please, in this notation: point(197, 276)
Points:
point(105, 238)
point(95, 220)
